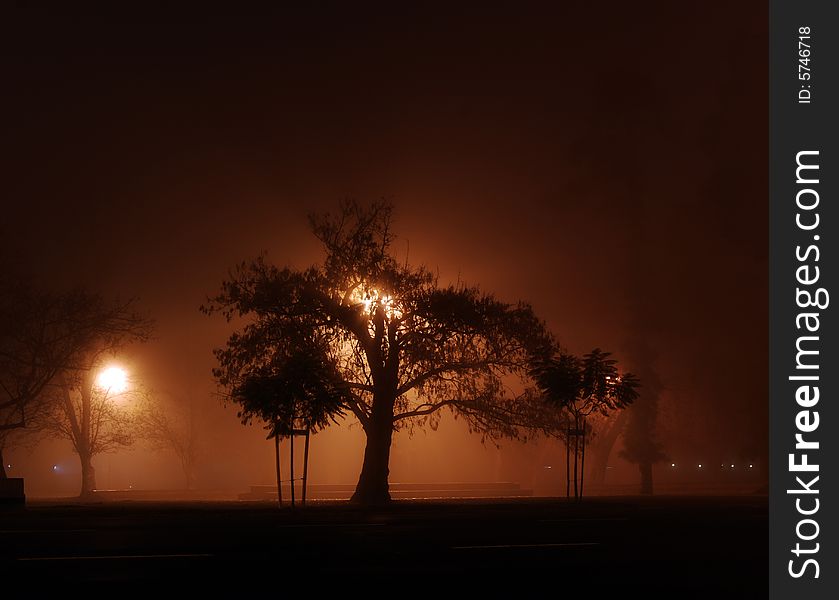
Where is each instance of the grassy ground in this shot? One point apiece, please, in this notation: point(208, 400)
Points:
point(660, 547)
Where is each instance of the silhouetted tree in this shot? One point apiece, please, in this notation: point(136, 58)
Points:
point(83, 412)
point(92, 419)
point(42, 335)
point(641, 445)
point(293, 389)
point(403, 346)
point(171, 427)
point(603, 441)
point(583, 387)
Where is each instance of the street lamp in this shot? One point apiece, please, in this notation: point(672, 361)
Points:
point(112, 380)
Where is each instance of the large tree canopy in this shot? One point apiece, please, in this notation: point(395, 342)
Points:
point(402, 345)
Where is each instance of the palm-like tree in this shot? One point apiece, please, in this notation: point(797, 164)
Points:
point(581, 387)
point(295, 390)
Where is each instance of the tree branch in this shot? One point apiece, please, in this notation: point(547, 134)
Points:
point(420, 411)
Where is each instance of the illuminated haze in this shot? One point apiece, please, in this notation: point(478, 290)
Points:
point(608, 176)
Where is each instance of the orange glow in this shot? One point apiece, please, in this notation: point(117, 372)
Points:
point(371, 297)
point(113, 380)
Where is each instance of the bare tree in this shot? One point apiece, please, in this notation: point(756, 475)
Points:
point(641, 444)
point(88, 414)
point(172, 427)
point(93, 420)
point(16, 434)
point(603, 441)
point(42, 335)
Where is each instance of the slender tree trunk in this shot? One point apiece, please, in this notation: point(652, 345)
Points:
point(305, 468)
point(583, 460)
point(291, 462)
point(88, 475)
point(277, 465)
point(373, 488)
point(576, 454)
point(2, 466)
point(568, 463)
point(646, 470)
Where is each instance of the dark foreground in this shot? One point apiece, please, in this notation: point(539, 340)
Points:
point(659, 547)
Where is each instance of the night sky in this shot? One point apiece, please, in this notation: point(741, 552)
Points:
point(607, 165)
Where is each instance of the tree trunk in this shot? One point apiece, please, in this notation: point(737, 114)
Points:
point(373, 488)
point(277, 466)
point(305, 468)
point(583, 460)
point(2, 465)
point(84, 445)
point(576, 456)
point(568, 463)
point(88, 476)
point(646, 470)
point(602, 449)
point(291, 461)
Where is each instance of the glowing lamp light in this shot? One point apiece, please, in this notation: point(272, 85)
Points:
point(700, 465)
point(367, 301)
point(372, 299)
point(750, 466)
point(672, 464)
point(113, 380)
point(732, 466)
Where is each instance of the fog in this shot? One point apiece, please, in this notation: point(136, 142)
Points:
point(620, 194)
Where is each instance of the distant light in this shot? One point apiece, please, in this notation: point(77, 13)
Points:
point(732, 466)
point(8, 466)
point(700, 465)
point(672, 464)
point(113, 380)
point(55, 467)
point(750, 466)
point(548, 467)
